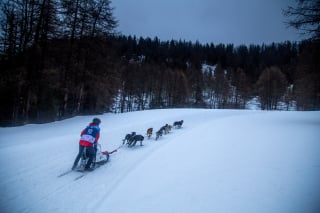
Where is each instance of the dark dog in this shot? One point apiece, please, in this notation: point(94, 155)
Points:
point(158, 134)
point(128, 138)
point(149, 132)
point(178, 124)
point(163, 129)
point(135, 139)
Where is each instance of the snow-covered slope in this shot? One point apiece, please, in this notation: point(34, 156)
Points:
point(219, 161)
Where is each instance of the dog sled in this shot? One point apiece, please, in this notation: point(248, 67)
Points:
point(101, 158)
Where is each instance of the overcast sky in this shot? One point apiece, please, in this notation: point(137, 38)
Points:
point(218, 21)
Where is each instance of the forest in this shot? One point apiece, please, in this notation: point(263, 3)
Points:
point(60, 59)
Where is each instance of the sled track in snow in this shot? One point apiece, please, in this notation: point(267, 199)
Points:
point(119, 172)
point(54, 155)
point(149, 149)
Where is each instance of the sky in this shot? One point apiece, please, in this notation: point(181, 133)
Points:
point(222, 161)
point(217, 21)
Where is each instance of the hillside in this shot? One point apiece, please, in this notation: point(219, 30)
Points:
point(219, 161)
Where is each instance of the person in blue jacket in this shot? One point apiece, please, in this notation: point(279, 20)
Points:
point(88, 141)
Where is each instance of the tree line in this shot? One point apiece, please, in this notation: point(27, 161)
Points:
point(54, 62)
point(62, 58)
point(174, 74)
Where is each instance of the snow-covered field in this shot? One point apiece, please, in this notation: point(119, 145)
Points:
point(220, 161)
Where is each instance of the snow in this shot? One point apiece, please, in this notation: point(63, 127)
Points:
point(219, 161)
point(208, 68)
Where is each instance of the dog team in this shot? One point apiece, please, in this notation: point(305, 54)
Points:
point(132, 138)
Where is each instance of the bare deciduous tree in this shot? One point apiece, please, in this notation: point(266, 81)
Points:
point(271, 87)
point(305, 17)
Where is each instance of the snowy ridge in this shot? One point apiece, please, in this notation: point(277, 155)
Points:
point(219, 161)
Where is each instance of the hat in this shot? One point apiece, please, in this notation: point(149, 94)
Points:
point(96, 121)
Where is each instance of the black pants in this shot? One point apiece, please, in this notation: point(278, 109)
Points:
point(90, 152)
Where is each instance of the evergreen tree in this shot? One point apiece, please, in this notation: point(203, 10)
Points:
point(307, 78)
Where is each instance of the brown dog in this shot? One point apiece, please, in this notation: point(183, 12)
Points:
point(167, 128)
point(149, 132)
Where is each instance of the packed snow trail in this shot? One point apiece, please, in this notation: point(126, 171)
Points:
point(220, 160)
